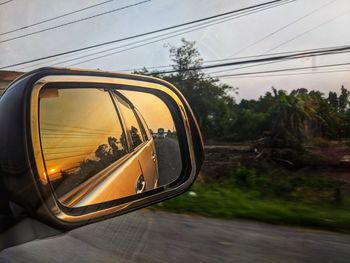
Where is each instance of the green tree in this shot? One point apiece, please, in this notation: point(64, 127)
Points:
point(210, 100)
point(333, 100)
point(287, 118)
point(343, 99)
point(289, 114)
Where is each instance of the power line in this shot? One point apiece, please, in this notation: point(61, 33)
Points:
point(235, 58)
point(55, 153)
point(72, 156)
point(54, 18)
point(195, 27)
point(282, 70)
point(217, 60)
point(168, 35)
point(68, 147)
point(283, 27)
point(262, 64)
point(68, 137)
point(329, 51)
point(75, 21)
point(6, 2)
point(249, 66)
point(141, 41)
point(54, 131)
point(139, 35)
point(290, 74)
point(70, 126)
point(244, 62)
point(299, 35)
point(307, 31)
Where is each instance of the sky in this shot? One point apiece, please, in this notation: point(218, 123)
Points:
point(327, 26)
point(154, 111)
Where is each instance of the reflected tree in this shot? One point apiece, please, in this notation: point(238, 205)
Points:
point(135, 136)
point(105, 155)
point(102, 152)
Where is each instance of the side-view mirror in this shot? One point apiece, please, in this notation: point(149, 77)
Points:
point(78, 146)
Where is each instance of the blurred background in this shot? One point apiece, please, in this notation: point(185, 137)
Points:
point(269, 84)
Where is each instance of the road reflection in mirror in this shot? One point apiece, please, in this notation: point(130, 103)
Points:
point(102, 145)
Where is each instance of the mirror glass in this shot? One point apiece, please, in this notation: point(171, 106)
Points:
point(100, 145)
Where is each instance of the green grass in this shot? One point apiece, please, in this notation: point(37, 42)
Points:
point(230, 199)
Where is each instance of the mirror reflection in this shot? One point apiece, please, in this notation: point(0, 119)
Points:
point(101, 145)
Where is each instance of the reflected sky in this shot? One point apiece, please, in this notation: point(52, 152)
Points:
point(73, 123)
point(153, 110)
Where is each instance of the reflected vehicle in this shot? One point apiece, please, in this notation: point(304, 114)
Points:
point(100, 154)
point(160, 133)
point(114, 154)
point(82, 146)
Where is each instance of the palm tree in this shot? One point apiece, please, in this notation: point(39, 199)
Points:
point(289, 114)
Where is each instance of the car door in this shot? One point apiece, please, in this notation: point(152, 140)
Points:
point(141, 143)
point(99, 165)
point(148, 156)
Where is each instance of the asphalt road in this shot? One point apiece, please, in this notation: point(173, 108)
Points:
point(169, 160)
point(147, 236)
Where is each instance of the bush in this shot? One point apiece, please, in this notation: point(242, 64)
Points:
point(273, 182)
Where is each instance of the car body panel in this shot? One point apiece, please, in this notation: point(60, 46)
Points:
point(148, 160)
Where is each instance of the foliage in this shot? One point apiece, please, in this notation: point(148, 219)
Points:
point(272, 195)
point(209, 100)
point(288, 118)
point(280, 124)
point(271, 181)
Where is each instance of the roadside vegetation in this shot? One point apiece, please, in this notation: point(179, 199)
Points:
point(292, 163)
point(271, 196)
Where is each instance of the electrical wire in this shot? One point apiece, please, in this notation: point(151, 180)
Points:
point(195, 27)
point(6, 2)
point(68, 147)
point(232, 59)
point(168, 35)
point(138, 35)
point(53, 18)
point(283, 28)
point(290, 74)
point(44, 124)
point(282, 70)
point(75, 21)
point(71, 156)
point(295, 37)
point(344, 49)
point(54, 131)
point(55, 153)
point(307, 31)
point(250, 66)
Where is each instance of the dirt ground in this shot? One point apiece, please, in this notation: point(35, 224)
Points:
point(221, 158)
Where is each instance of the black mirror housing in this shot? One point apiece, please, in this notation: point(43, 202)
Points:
point(22, 168)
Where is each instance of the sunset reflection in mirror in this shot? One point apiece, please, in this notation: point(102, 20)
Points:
point(78, 127)
point(86, 131)
point(161, 124)
point(153, 110)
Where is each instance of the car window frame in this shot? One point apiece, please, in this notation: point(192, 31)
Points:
point(142, 129)
point(139, 120)
point(144, 125)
